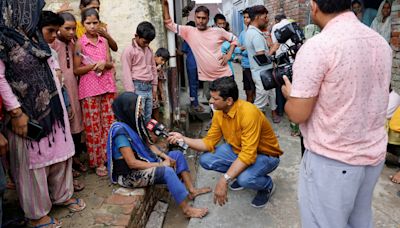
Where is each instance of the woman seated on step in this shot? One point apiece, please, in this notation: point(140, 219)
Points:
point(134, 161)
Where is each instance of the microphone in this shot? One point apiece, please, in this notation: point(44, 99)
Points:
point(159, 130)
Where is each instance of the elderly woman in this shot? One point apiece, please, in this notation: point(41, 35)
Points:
point(134, 161)
point(42, 166)
point(383, 21)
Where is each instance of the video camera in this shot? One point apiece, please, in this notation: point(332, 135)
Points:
point(273, 78)
point(160, 130)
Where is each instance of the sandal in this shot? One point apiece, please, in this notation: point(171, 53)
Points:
point(51, 224)
point(101, 171)
point(75, 206)
point(78, 186)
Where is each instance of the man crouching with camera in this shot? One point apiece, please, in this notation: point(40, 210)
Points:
point(251, 149)
point(339, 96)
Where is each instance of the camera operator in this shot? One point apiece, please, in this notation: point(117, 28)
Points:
point(277, 48)
point(339, 96)
point(256, 45)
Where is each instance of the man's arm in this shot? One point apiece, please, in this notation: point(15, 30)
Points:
point(195, 144)
point(165, 8)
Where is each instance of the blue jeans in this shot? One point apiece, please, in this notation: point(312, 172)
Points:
point(254, 177)
point(170, 177)
point(145, 90)
point(193, 86)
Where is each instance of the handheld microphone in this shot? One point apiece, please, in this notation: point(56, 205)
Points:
point(159, 130)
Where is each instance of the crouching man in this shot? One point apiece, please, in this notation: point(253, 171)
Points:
point(250, 150)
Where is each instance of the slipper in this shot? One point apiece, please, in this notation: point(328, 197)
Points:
point(52, 223)
point(101, 172)
point(76, 206)
point(78, 186)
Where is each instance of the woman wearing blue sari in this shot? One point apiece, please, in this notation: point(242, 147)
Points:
point(134, 161)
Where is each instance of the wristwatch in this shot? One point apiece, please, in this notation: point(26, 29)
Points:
point(227, 178)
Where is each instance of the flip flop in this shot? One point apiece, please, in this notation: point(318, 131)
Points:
point(101, 172)
point(81, 205)
point(51, 223)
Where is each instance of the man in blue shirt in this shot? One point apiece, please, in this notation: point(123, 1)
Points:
point(256, 44)
point(248, 84)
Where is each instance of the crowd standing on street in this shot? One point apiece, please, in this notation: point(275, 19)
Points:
point(59, 101)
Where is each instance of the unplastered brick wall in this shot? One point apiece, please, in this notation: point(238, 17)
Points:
point(395, 43)
point(294, 9)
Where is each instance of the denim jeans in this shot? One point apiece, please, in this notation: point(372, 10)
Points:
point(254, 177)
point(145, 90)
point(193, 86)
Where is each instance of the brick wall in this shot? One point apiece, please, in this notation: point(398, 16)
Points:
point(129, 209)
point(294, 9)
point(395, 42)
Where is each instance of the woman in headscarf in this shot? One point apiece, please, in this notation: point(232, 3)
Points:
point(134, 161)
point(383, 21)
point(42, 167)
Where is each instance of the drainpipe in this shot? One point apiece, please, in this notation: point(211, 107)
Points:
point(173, 81)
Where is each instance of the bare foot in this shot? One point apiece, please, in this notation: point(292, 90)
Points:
point(198, 191)
point(192, 212)
point(395, 178)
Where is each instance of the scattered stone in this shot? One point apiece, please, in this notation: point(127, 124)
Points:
point(130, 192)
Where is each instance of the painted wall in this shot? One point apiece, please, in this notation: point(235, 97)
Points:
point(122, 18)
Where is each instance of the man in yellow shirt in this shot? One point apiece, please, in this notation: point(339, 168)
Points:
point(251, 149)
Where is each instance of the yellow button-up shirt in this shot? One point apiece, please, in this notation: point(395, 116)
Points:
point(246, 129)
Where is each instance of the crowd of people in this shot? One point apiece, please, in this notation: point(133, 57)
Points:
point(59, 99)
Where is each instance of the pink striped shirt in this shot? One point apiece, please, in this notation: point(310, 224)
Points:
point(91, 84)
point(138, 64)
point(348, 67)
point(206, 47)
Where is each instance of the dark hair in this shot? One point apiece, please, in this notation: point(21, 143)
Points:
point(355, 2)
point(280, 17)
point(246, 11)
point(227, 27)
point(146, 30)
point(89, 12)
point(163, 53)
point(219, 16)
point(67, 17)
point(85, 3)
point(48, 18)
point(226, 87)
point(202, 9)
point(257, 10)
point(191, 23)
point(333, 6)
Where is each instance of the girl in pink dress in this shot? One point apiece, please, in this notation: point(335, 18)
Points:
point(64, 46)
point(92, 63)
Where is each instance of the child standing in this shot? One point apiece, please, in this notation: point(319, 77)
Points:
point(139, 67)
point(64, 46)
point(101, 29)
point(92, 62)
point(161, 57)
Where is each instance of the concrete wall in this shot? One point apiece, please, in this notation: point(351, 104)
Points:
point(122, 18)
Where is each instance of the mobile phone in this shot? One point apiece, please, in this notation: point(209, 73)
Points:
point(34, 131)
point(262, 60)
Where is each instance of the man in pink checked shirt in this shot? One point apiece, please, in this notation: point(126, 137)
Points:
point(339, 96)
point(206, 44)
